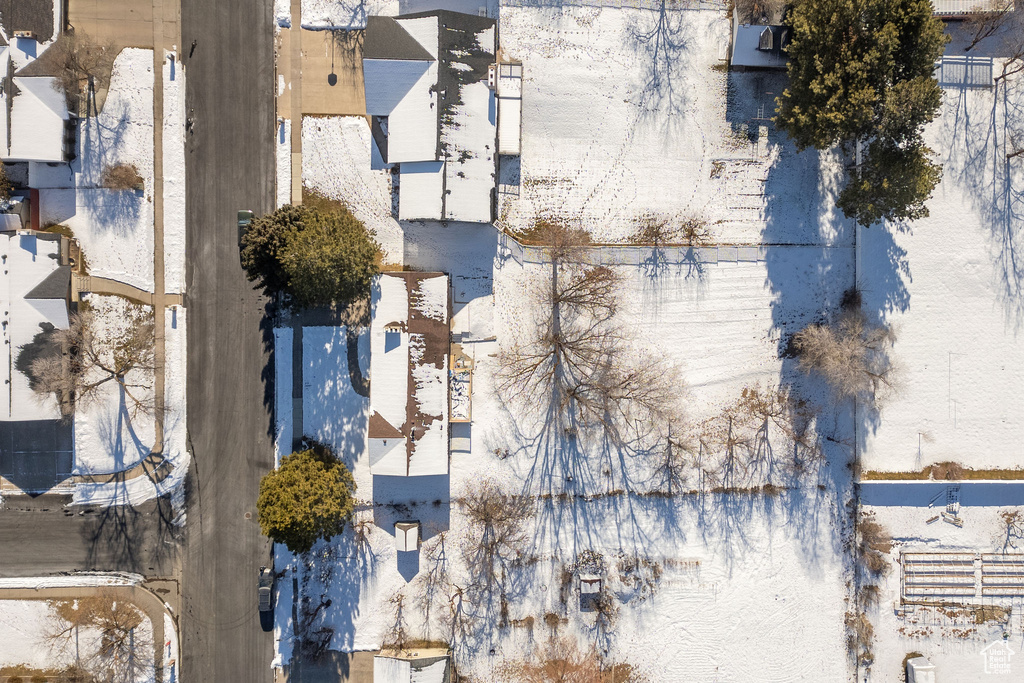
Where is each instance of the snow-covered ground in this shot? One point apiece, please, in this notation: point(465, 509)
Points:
point(951, 638)
point(951, 285)
point(174, 173)
point(344, 14)
point(99, 447)
point(336, 163)
point(629, 114)
point(284, 162)
point(114, 227)
point(742, 573)
point(25, 631)
point(110, 436)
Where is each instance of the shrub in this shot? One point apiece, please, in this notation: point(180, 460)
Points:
point(121, 177)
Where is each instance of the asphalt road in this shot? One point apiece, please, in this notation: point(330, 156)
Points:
point(39, 536)
point(230, 166)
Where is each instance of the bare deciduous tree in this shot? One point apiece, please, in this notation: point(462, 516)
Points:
point(79, 59)
point(576, 359)
point(118, 656)
point(985, 24)
point(81, 359)
point(873, 545)
point(853, 355)
point(497, 522)
point(690, 231)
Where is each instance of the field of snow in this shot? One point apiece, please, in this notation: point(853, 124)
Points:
point(746, 578)
point(24, 629)
point(336, 162)
point(629, 115)
point(950, 638)
point(115, 228)
point(951, 285)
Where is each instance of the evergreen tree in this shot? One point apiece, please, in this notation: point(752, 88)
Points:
point(892, 182)
point(309, 497)
point(317, 257)
point(332, 258)
point(861, 71)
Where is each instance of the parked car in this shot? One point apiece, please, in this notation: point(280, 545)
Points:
point(244, 221)
point(266, 585)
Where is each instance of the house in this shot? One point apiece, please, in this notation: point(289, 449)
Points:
point(36, 446)
point(423, 666)
point(409, 335)
point(35, 124)
point(759, 47)
point(431, 111)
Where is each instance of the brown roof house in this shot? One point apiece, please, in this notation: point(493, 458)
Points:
point(409, 335)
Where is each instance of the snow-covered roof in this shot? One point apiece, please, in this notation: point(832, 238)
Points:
point(400, 83)
point(33, 286)
point(759, 47)
point(421, 190)
point(33, 110)
point(394, 670)
point(37, 115)
point(509, 88)
point(920, 670)
point(425, 83)
point(952, 8)
point(408, 426)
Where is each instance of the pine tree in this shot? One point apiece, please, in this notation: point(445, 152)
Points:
point(861, 70)
point(317, 257)
point(892, 182)
point(308, 497)
point(332, 258)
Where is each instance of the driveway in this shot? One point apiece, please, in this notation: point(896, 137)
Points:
point(229, 166)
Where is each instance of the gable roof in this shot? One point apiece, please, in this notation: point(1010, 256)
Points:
point(386, 38)
point(408, 426)
point(53, 286)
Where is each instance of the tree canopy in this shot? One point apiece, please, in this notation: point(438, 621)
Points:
point(309, 497)
point(861, 71)
point(314, 256)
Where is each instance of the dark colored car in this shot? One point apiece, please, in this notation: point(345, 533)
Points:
point(244, 221)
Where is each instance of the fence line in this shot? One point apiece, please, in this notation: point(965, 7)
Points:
point(636, 255)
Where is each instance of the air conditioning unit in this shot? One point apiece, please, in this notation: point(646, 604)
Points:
point(25, 34)
point(492, 76)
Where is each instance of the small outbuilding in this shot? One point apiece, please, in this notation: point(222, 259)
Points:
point(920, 670)
point(407, 536)
point(590, 591)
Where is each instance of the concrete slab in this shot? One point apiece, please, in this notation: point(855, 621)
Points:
point(121, 22)
point(332, 73)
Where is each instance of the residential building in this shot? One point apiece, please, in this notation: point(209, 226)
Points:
point(409, 340)
point(432, 113)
